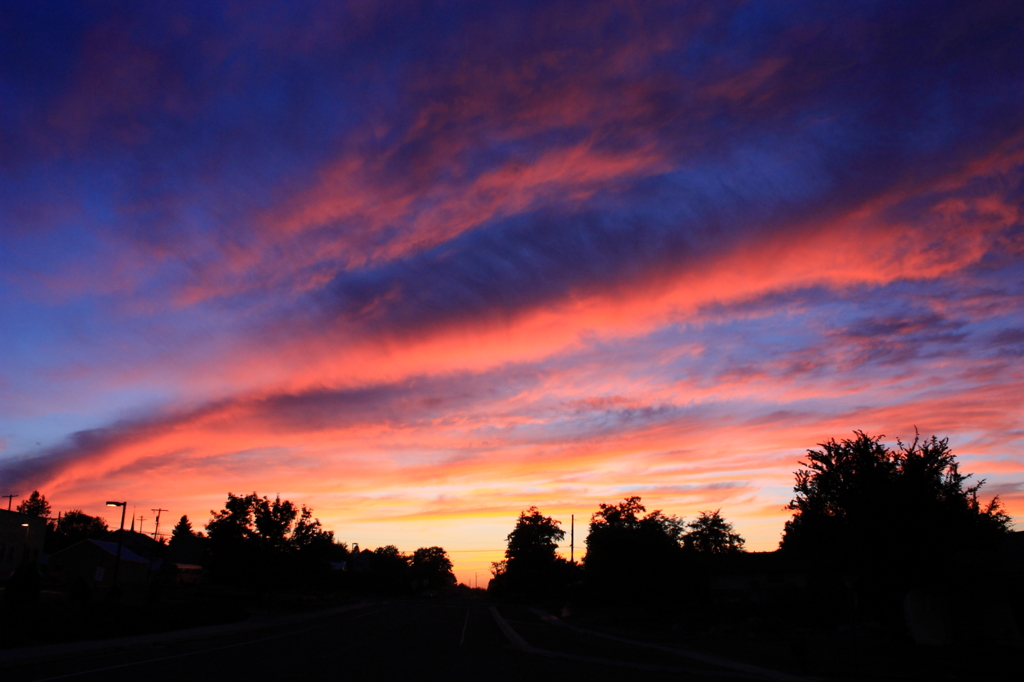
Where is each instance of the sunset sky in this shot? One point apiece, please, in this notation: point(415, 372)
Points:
point(422, 265)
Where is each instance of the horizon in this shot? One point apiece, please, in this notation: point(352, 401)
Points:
point(422, 268)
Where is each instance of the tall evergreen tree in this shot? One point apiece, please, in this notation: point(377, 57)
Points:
point(182, 529)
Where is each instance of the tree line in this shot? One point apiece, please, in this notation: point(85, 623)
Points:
point(265, 544)
point(628, 550)
point(885, 520)
point(869, 524)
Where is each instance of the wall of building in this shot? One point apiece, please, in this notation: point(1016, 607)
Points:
point(19, 542)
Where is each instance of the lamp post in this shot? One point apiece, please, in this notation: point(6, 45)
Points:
point(25, 552)
point(120, 538)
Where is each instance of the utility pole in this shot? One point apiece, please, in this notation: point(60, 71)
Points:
point(120, 541)
point(572, 538)
point(9, 499)
point(157, 529)
point(141, 519)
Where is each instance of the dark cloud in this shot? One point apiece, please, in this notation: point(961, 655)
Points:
point(33, 469)
point(407, 404)
point(1006, 488)
point(1008, 342)
point(730, 171)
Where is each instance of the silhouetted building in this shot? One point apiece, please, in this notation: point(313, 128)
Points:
point(21, 540)
point(361, 562)
point(140, 544)
point(186, 574)
point(92, 563)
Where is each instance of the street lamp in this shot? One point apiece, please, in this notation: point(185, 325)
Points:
point(120, 538)
point(25, 553)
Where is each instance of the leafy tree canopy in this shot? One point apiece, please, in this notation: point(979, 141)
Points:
point(308, 533)
point(432, 567)
point(36, 505)
point(266, 524)
point(624, 544)
point(709, 533)
point(235, 523)
point(78, 523)
point(531, 566)
point(626, 516)
point(857, 499)
point(534, 539)
point(388, 551)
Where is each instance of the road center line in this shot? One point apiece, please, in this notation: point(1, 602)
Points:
point(462, 640)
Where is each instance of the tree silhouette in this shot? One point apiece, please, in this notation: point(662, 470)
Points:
point(856, 497)
point(308, 535)
point(628, 552)
point(76, 523)
point(389, 569)
point(531, 565)
point(712, 534)
point(272, 522)
point(74, 526)
point(182, 529)
point(186, 546)
point(890, 520)
point(36, 505)
point(255, 539)
point(534, 540)
point(432, 568)
point(388, 552)
point(234, 523)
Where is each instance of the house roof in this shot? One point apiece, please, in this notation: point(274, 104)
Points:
point(19, 518)
point(134, 537)
point(126, 554)
point(110, 547)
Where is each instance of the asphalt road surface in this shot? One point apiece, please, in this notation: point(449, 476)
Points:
point(418, 640)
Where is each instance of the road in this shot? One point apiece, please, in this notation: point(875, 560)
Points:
point(433, 640)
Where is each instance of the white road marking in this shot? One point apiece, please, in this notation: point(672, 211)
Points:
point(462, 640)
point(519, 643)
